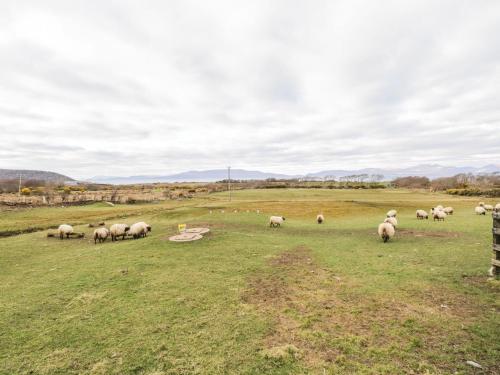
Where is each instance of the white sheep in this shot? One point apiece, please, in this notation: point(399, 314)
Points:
point(439, 207)
point(144, 232)
point(276, 221)
point(138, 230)
point(480, 210)
point(439, 215)
point(392, 213)
point(421, 214)
point(320, 218)
point(100, 234)
point(64, 229)
point(488, 207)
point(386, 231)
point(497, 207)
point(117, 230)
point(448, 210)
point(391, 220)
point(481, 204)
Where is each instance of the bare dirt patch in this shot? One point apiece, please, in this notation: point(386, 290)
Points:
point(419, 233)
point(329, 322)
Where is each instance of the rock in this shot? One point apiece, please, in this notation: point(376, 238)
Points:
point(474, 364)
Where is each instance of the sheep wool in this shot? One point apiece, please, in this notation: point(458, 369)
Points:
point(139, 229)
point(421, 214)
point(100, 234)
point(117, 230)
point(480, 210)
point(391, 220)
point(497, 207)
point(439, 215)
point(392, 213)
point(320, 218)
point(448, 210)
point(488, 207)
point(386, 231)
point(276, 221)
point(64, 230)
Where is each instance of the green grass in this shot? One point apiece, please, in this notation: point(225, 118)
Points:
point(248, 299)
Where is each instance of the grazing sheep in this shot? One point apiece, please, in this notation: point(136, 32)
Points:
point(276, 221)
point(391, 220)
point(64, 229)
point(139, 230)
point(421, 214)
point(480, 210)
point(497, 207)
point(439, 207)
point(448, 210)
point(439, 215)
point(392, 213)
point(320, 218)
point(488, 207)
point(481, 204)
point(147, 228)
point(100, 234)
point(386, 231)
point(117, 230)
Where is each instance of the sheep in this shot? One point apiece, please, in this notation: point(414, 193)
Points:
point(497, 207)
point(488, 207)
point(481, 204)
point(386, 231)
point(138, 230)
point(480, 210)
point(421, 214)
point(276, 221)
point(100, 234)
point(448, 210)
point(439, 207)
point(391, 220)
point(117, 230)
point(144, 232)
point(392, 213)
point(64, 229)
point(320, 218)
point(439, 215)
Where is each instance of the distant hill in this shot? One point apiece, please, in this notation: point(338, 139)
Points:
point(191, 176)
point(8, 174)
point(428, 170)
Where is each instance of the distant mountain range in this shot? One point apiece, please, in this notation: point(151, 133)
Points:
point(428, 170)
point(9, 174)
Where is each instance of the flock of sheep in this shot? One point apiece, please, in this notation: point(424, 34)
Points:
point(387, 229)
point(137, 230)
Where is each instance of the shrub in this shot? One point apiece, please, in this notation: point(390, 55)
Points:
point(26, 191)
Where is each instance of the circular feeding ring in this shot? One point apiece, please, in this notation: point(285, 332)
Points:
point(197, 230)
point(186, 237)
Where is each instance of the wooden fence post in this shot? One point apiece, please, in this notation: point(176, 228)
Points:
point(495, 261)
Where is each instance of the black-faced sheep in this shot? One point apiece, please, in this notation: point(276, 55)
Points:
point(391, 220)
point(320, 218)
point(386, 231)
point(118, 230)
point(276, 221)
point(421, 214)
point(448, 210)
point(64, 229)
point(100, 234)
point(480, 210)
point(392, 213)
point(439, 215)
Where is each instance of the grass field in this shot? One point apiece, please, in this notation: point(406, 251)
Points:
point(249, 299)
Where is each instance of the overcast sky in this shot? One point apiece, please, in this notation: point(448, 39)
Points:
point(145, 87)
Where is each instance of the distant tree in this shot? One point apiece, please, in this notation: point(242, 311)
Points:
point(412, 182)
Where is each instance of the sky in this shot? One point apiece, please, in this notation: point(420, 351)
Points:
point(99, 87)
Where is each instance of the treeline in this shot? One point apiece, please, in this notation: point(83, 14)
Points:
point(299, 183)
point(461, 184)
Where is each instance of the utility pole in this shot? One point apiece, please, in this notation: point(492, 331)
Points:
point(19, 190)
point(229, 182)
